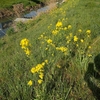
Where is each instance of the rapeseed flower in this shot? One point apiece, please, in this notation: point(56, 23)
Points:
point(24, 42)
point(75, 38)
point(46, 48)
point(40, 81)
point(67, 37)
point(82, 40)
point(27, 51)
point(54, 32)
point(89, 55)
point(49, 41)
point(41, 75)
point(68, 41)
point(58, 66)
point(71, 35)
point(65, 28)
point(79, 30)
point(89, 47)
point(77, 45)
point(25, 45)
point(88, 31)
point(52, 54)
point(30, 83)
point(37, 68)
point(63, 49)
point(52, 44)
point(59, 24)
point(43, 63)
point(46, 61)
point(69, 26)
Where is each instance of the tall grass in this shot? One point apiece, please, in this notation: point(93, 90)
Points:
point(49, 58)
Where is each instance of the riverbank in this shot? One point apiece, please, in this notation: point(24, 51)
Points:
point(18, 7)
point(29, 16)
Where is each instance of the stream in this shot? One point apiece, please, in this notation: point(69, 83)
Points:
point(6, 23)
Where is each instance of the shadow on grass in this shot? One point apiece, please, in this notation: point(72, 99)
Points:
point(93, 73)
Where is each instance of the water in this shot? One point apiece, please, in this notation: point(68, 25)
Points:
point(4, 26)
point(35, 13)
point(1, 31)
point(43, 9)
point(31, 14)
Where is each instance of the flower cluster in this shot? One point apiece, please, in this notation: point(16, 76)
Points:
point(69, 26)
point(25, 45)
point(55, 32)
point(88, 33)
point(59, 24)
point(38, 69)
point(30, 83)
point(75, 38)
point(63, 49)
point(49, 41)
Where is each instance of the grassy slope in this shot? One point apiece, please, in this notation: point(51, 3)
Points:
point(9, 3)
point(80, 14)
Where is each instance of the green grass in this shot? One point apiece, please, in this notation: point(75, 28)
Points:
point(9, 3)
point(78, 77)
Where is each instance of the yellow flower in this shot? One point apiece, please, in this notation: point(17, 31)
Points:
point(46, 61)
point(27, 51)
point(52, 54)
point(70, 35)
point(41, 75)
point(37, 68)
point(58, 66)
point(33, 70)
point(59, 24)
point(43, 63)
point(77, 45)
point(54, 32)
point(89, 47)
point(41, 36)
point(89, 55)
point(69, 26)
point(68, 41)
point(63, 49)
point(82, 40)
point(40, 81)
point(75, 38)
point(53, 44)
point(65, 28)
point(79, 30)
point(63, 19)
point(24, 42)
point(24, 45)
point(67, 37)
point(46, 48)
point(30, 83)
point(49, 41)
point(88, 31)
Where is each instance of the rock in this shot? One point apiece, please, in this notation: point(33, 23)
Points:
point(5, 13)
point(18, 9)
point(27, 8)
point(21, 20)
point(1, 15)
